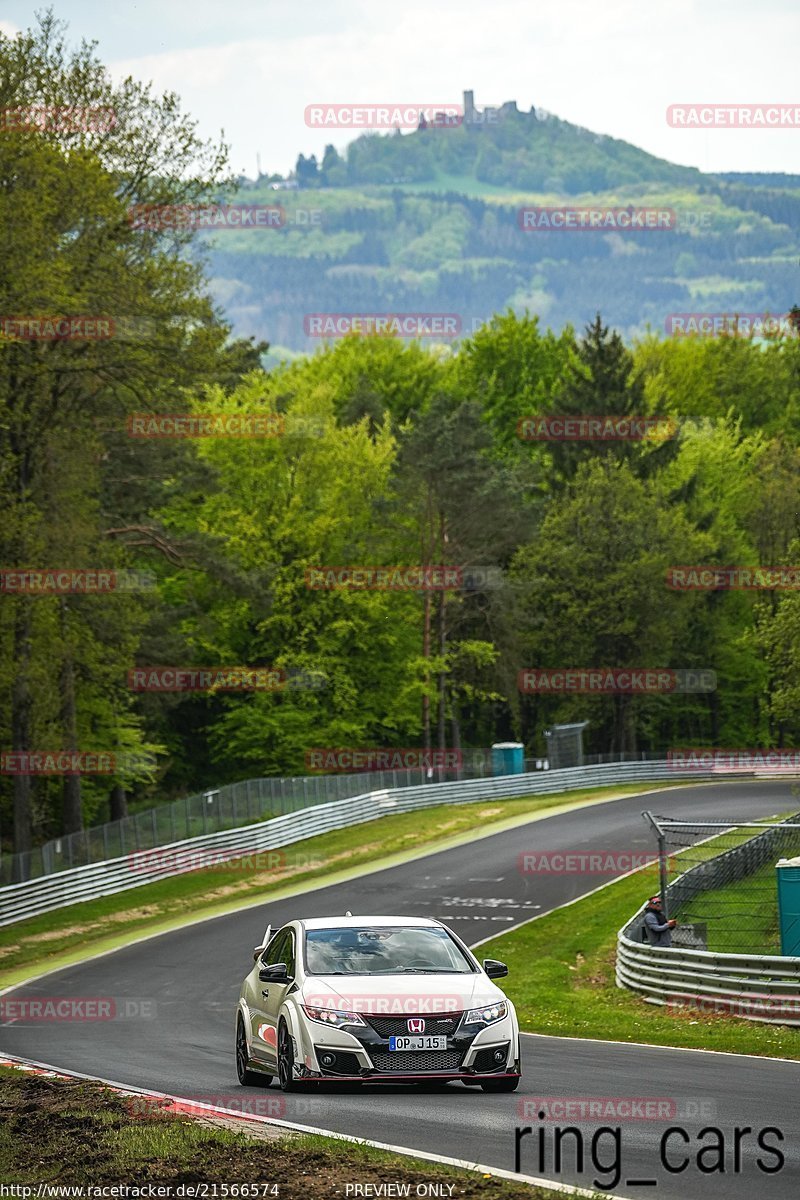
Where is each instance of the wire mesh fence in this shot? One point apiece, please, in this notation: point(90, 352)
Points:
point(227, 807)
point(719, 881)
point(242, 803)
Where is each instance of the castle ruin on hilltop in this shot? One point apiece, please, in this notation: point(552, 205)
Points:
point(477, 118)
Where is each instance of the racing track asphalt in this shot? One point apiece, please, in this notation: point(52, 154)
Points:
point(187, 980)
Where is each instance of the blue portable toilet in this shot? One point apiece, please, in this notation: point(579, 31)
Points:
point(788, 872)
point(508, 758)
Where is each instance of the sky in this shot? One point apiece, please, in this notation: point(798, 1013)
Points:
point(248, 69)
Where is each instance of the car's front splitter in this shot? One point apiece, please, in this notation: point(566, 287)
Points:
point(399, 1077)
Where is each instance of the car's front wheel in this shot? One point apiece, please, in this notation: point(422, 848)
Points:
point(285, 1059)
point(501, 1085)
point(246, 1077)
point(508, 1084)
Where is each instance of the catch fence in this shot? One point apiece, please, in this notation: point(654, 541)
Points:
point(233, 805)
point(718, 880)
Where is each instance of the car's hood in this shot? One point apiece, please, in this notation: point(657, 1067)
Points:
point(398, 994)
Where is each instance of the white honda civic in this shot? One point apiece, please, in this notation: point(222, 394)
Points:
point(374, 1000)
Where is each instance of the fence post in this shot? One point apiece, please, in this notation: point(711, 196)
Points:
point(662, 861)
point(662, 873)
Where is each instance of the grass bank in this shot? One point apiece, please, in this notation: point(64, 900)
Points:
point(65, 1132)
point(561, 980)
point(742, 918)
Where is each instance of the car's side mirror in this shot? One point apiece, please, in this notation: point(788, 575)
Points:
point(494, 969)
point(274, 973)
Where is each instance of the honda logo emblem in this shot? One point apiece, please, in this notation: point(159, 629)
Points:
point(416, 1025)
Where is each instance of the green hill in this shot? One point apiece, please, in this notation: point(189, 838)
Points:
point(430, 222)
point(502, 147)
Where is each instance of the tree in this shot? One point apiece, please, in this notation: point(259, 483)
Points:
point(513, 370)
point(374, 377)
point(598, 381)
point(777, 634)
point(71, 249)
point(594, 595)
point(458, 504)
point(306, 171)
point(306, 499)
point(710, 479)
point(333, 169)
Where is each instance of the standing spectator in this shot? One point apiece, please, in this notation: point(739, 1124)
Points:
point(657, 928)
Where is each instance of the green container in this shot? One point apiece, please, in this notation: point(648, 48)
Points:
point(788, 872)
point(508, 758)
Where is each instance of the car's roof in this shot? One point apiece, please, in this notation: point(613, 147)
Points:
point(360, 922)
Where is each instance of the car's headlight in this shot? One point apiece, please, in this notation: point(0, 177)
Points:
point(332, 1016)
point(485, 1016)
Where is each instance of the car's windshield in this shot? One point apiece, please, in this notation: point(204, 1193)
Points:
point(384, 950)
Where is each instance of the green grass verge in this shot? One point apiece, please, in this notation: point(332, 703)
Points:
point(69, 934)
point(67, 1132)
point(741, 918)
point(562, 982)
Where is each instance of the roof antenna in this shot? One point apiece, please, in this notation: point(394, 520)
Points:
point(348, 913)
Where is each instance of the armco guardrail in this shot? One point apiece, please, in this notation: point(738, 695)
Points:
point(228, 806)
point(232, 805)
point(21, 900)
point(758, 987)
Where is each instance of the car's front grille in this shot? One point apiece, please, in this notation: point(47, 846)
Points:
point(387, 1027)
point(413, 1061)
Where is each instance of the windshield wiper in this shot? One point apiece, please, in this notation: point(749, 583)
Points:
point(429, 971)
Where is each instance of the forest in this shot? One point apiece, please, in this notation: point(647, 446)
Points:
point(216, 653)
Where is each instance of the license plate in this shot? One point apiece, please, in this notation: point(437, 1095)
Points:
point(417, 1043)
